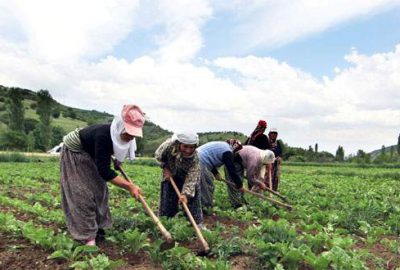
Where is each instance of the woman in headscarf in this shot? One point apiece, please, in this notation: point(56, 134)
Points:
point(276, 147)
point(258, 138)
point(178, 159)
point(85, 170)
point(254, 161)
point(212, 156)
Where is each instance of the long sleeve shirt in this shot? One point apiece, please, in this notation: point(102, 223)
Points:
point(96, 140)
point(215, 154)
point(261, 142)
point(251, 161)
point(188, 168)
point(276, 148)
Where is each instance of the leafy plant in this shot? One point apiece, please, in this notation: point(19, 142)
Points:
point(99, 262)
point(73, 254)
point(133, 240)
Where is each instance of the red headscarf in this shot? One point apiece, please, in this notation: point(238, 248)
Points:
point(262, 125)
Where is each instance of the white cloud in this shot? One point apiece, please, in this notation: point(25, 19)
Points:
point(273, 23)
point(65, 31)
point(357, 108)
point(183, 21)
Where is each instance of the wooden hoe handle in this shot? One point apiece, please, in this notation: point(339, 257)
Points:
point(186, 208)
point(270, 179)
point(259, 195)
point(277, 194)
point(148, 210)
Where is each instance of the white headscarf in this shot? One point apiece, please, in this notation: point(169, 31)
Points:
point(121, 148)
point(267, 157)
point(186, 138)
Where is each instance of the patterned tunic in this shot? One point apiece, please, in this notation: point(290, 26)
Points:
point(168, 155)
point(186, 173)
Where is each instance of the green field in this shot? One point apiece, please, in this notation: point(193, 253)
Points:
point(343, 218)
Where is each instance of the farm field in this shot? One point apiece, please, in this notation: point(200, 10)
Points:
point(343, 218)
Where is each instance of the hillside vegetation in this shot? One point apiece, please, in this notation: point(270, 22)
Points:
point(22, 106)
point(65, 119)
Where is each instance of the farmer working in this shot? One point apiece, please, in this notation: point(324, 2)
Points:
point(258, 138)
point(275, 146)
point(254, 161)
point(85, 171)
point(212, 156)
point(178, 159)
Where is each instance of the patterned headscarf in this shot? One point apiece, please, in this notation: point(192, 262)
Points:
point(262, 125)
point(235, 145)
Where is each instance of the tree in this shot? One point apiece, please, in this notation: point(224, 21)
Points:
point(58, 134)
point(398, 145)
point(13, 140)
point(316, 148)
point(30, 125)
point(340, 154)
point(56, 113)
point(15, 110)
point(140, 144)
point(44, 109)
point(383, 153)
point(362, 157)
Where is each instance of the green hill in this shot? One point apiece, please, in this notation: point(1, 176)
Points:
point(63, 116)
point(69, 118)
point(388, 151)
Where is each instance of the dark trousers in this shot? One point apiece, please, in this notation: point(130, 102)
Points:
point(169, 201)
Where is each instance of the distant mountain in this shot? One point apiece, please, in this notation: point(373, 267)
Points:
point(69, 118)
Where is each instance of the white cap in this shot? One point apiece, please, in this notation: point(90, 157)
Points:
point(273, 130)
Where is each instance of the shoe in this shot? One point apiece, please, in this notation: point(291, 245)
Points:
point(91, 242)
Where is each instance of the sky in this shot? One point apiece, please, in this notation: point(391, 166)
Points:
point(325, 72)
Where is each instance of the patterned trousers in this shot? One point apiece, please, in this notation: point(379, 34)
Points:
point(235, 197)
point(169, 201)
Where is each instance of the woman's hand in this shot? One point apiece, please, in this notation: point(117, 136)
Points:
point(261, 184)
point(166, 174)
point(183, 199)
point(135, 191)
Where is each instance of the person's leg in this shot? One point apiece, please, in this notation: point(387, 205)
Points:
point(103, 214)
point(77, 197)
point(235, 197)
point(168, 200)
point(194, 205)
point(207, 187)
point(276, 176)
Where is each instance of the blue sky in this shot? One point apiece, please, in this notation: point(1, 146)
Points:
point(317, 54)
point(320, 53)
point(323, 72)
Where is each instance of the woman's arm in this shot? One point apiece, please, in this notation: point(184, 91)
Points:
point(133, 189)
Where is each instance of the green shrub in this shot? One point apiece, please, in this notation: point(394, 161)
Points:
point(13, 140)
point(14, 157)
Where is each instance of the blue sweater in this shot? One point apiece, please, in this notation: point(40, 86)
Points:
point(211, 154)
point(214, 155)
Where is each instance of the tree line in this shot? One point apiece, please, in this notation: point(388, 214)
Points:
point(30, 134)
point(27, 134)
